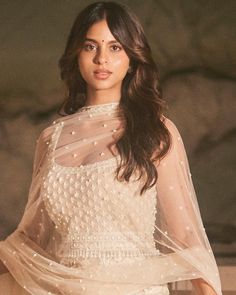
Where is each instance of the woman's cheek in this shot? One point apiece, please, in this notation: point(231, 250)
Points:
point(121, 64)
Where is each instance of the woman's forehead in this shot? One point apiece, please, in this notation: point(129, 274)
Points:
point(100, 32)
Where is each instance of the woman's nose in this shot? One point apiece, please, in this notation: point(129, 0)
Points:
point(101, 57)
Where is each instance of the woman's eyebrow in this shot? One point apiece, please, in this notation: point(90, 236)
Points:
point(95, 41)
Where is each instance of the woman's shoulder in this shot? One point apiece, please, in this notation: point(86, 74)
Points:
point(171, 126)
point(48, 130)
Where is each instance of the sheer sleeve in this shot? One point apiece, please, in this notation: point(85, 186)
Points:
point(20, 248)
point(36, 224)
point(179, 228)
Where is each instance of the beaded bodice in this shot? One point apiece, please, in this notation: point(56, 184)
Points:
point(95, 214)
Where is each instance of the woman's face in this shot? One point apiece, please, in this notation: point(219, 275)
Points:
point(102, 61)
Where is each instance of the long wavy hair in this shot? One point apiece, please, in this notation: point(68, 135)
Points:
point(145, 138)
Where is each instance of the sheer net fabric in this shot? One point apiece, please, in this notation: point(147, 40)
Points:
point(84, 232)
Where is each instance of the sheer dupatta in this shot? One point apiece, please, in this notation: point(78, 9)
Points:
point(86, 140)
point(179, 229)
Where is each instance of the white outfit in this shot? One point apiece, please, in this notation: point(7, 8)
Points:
point(84, 232)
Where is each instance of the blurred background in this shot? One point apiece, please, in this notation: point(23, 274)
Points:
point(194, 45)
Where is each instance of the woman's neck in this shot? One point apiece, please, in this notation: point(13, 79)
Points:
point(101, 97)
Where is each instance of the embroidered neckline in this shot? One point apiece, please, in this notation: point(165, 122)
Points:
point(100, 108)
point(107, 163)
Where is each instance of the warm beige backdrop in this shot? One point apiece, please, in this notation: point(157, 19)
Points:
point(194, 45)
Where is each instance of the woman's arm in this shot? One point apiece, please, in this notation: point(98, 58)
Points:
point(29, 221)
point(179, 224)
point(202, 287)
point(3, 269)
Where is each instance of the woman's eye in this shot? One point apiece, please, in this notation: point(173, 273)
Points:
point(116, 48)
point(89, 47)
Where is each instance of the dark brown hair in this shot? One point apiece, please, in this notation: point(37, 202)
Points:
point(145, 138)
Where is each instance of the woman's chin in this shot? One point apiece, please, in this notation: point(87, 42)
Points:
point(102, 85)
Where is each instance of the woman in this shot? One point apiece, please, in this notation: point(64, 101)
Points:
point(111, 207)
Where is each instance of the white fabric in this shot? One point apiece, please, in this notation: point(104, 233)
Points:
point(84, 232)
point(10, 286)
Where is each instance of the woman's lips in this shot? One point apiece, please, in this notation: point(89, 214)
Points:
point(102, 74)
